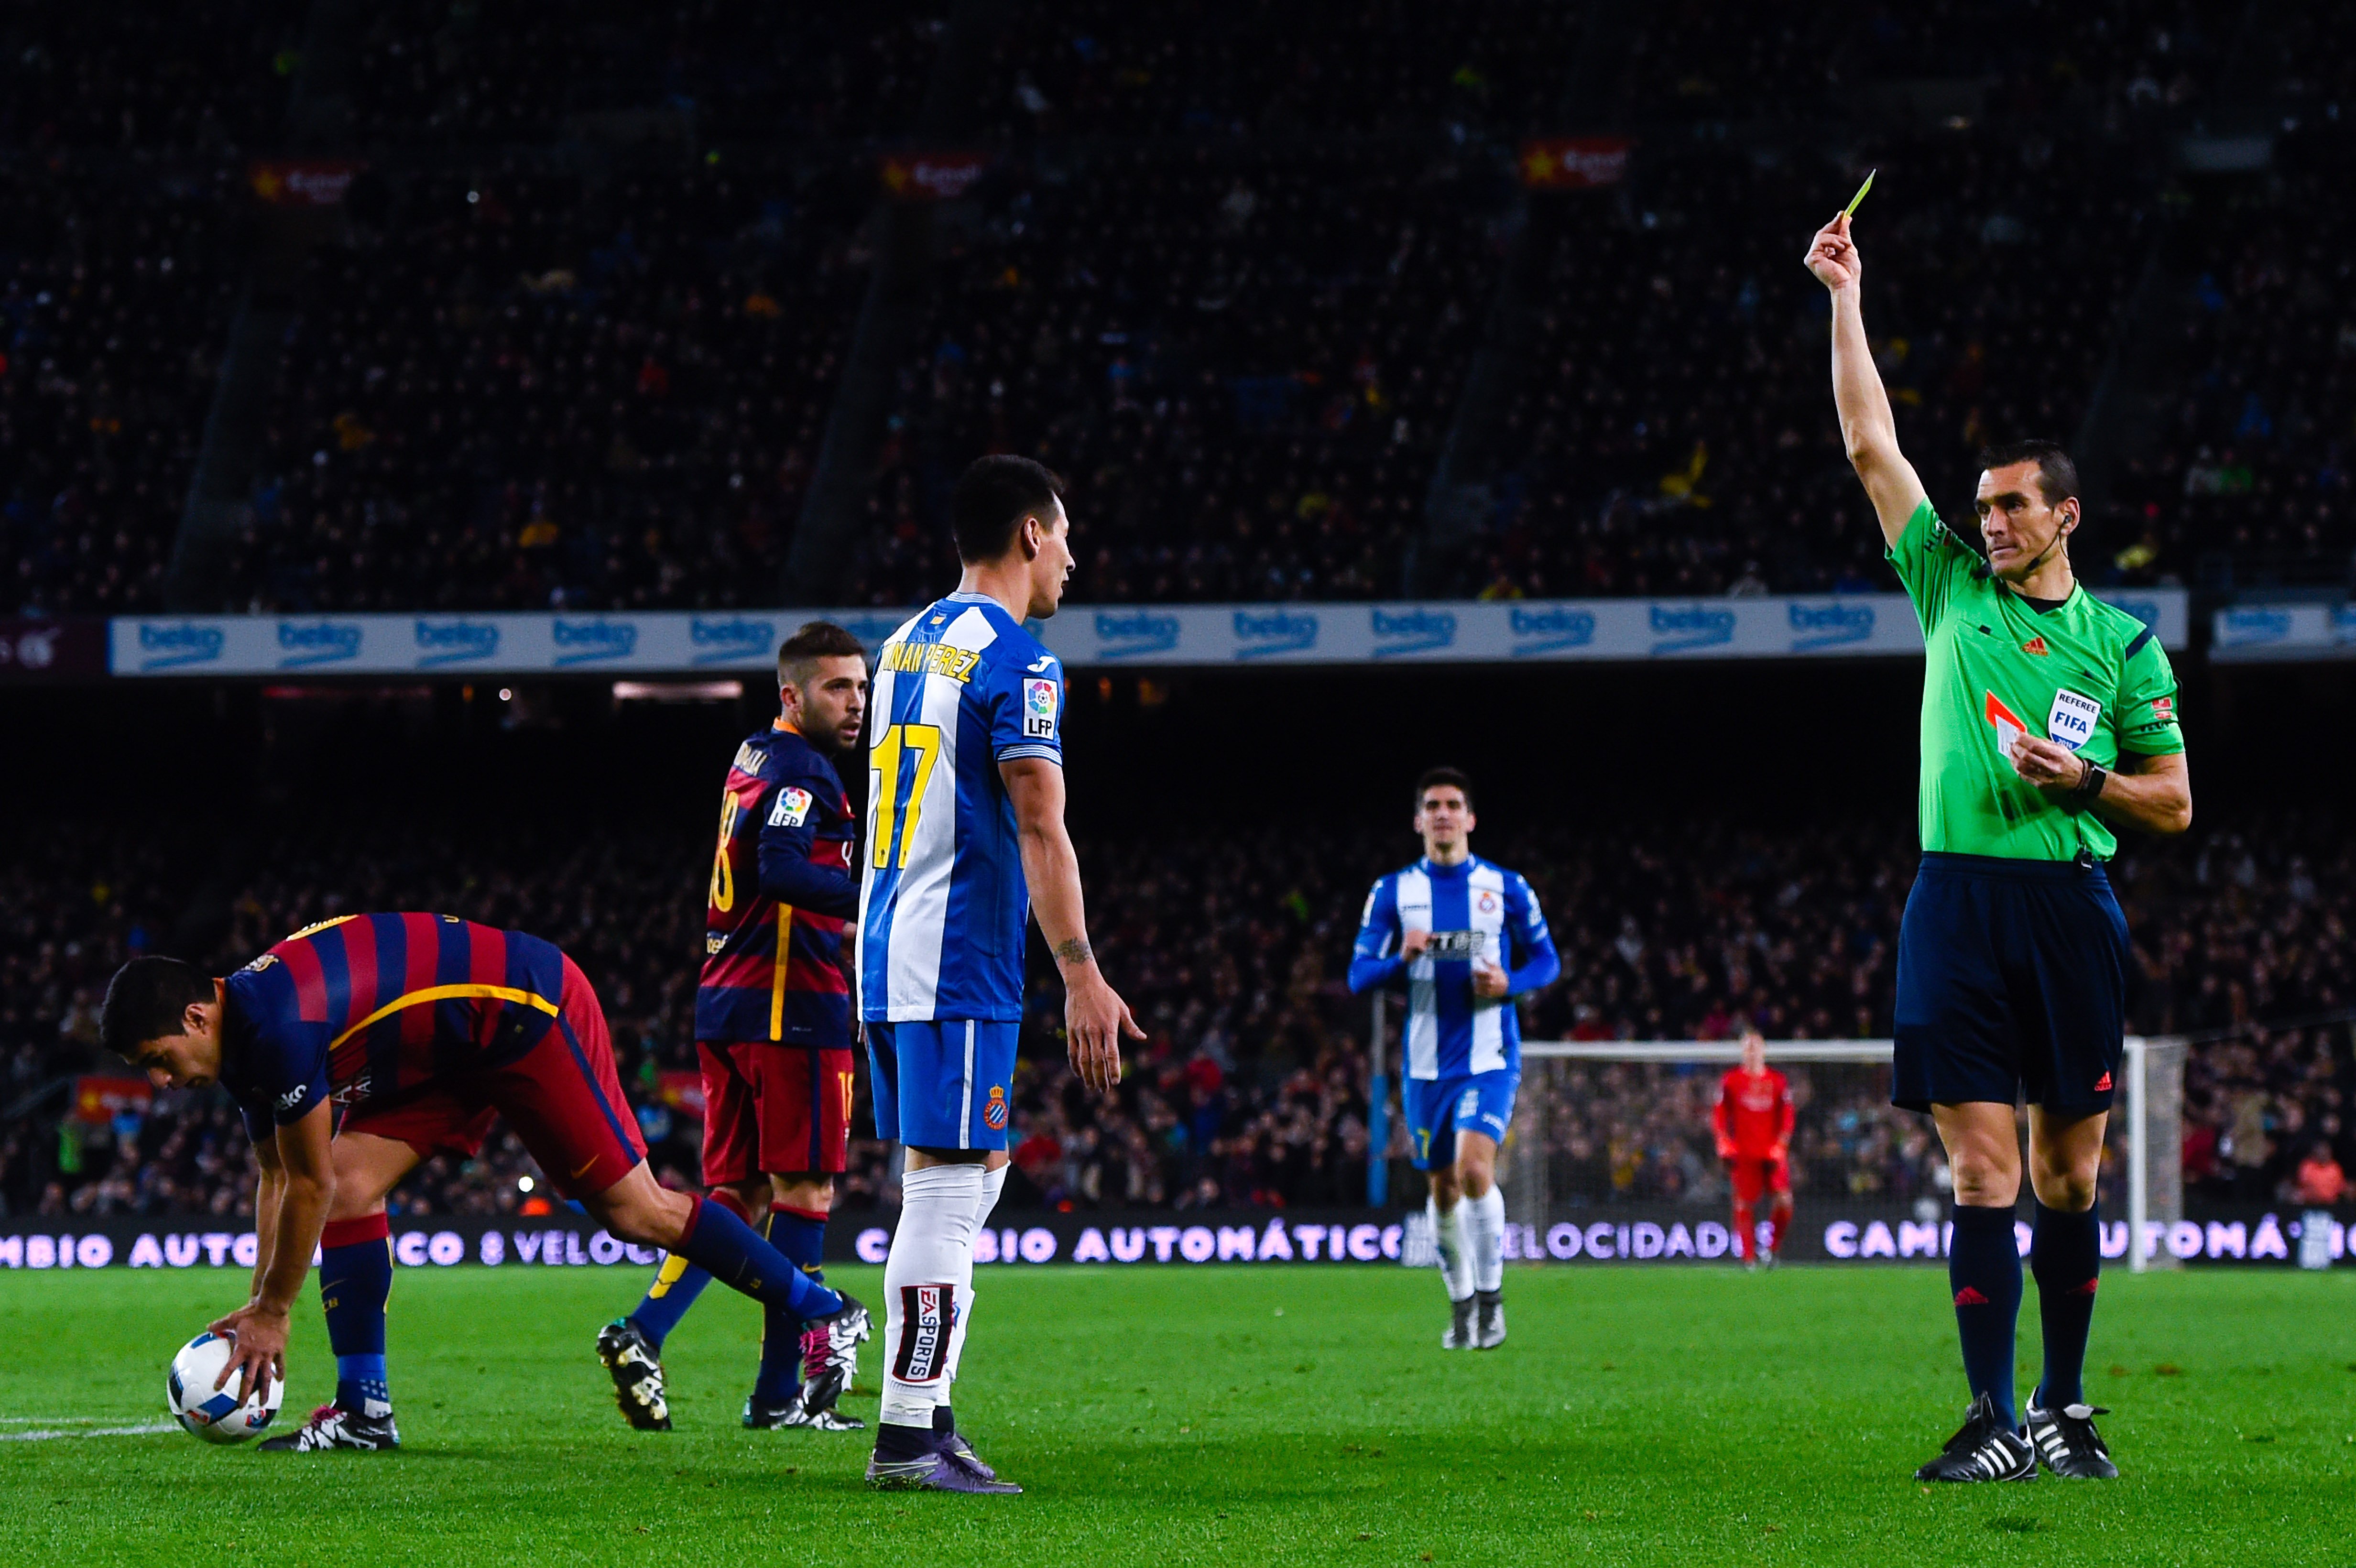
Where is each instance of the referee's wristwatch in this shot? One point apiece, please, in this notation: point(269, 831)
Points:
point(2089, 786)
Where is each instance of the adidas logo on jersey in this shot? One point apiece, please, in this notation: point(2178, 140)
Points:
point(2036, 646)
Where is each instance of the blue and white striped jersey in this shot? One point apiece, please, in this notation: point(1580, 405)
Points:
point(943, 908)
point(1475, 911)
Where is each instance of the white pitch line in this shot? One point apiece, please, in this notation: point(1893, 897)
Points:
point(45, 1434)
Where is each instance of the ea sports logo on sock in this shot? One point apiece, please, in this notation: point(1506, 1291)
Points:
point(923, 1323)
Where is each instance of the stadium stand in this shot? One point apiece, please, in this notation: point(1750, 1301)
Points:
point(578, 334)
point(209, 76)
point(115, 292)
point(1237, 287)
point(1088, 68)
point(1243, 363)
point(1675, 437)
point(520, 392)
point(1252, 1088)
point(529, 72)
point(2249, 484)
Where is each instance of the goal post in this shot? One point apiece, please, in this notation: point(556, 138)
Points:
point(1606, 1125)
point(2155, 1146)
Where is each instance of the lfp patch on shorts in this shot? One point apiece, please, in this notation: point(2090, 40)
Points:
point(944, 1085)
point(1437, 1108)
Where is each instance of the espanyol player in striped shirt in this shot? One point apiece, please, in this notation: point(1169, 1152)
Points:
point(1466, 937)
point(965, 836)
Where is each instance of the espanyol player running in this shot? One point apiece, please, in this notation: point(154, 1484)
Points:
point(421, 1029)
point(964, 813)
point(1467, 937)
point(773, 1029)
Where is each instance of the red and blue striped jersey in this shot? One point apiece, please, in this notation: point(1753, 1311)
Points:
point(781, 892)
point(370, 1004)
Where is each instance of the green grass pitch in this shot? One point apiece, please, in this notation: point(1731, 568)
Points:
point(1207, 1416)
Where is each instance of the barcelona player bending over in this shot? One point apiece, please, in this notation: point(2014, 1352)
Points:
point(421, 1029)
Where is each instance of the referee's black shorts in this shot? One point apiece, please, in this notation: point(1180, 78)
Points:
point(2011, 977)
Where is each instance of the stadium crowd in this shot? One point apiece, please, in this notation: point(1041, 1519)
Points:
point(1243, 362)
point(1095, 68)
point(1674, 435)
point(2250, 484)
point(203, 76)
point(1251, 1089)
point(115, 294)
point(516, 391)
point(726, 71)
point(1233, 283)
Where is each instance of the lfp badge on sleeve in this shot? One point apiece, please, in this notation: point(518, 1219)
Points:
point(1039, 709)
point(2072, 721)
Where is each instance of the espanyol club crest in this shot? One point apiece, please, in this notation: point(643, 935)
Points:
point(1039, 709)
point(994, 1113)
point(1488, 903)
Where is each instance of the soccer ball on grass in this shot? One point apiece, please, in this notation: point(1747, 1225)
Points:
point(222, 1415)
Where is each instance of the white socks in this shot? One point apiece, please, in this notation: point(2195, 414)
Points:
point(1448, 1235)
point(1484, 1237)
point(993, 1183)
point(927, 1285)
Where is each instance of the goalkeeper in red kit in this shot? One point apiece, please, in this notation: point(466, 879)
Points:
point(1752, 1120)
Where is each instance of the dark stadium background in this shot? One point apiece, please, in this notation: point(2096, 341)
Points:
point(515, 306)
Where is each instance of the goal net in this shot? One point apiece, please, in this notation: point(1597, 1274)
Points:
point(1612, 1157)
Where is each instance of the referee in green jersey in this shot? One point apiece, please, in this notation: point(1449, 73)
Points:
point(2049, 719)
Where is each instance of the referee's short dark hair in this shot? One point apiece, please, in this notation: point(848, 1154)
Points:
point(992, 497)
point(148, 1000)
point(2057, 475)
point(1444, 778)
point(797, 657)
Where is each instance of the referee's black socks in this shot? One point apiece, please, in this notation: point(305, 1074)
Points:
point(1984, 1272)
point(2067, 1258)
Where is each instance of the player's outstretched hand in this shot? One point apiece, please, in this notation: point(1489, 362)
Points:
point(260, 1336)
point(2043, 762)
point(1832, 256)
point(1095, 1018)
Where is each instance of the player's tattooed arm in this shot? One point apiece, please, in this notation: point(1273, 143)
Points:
point(1095, 1018)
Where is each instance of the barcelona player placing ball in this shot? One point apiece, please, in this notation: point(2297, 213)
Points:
point(2049, 721)
point(420, 1029)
